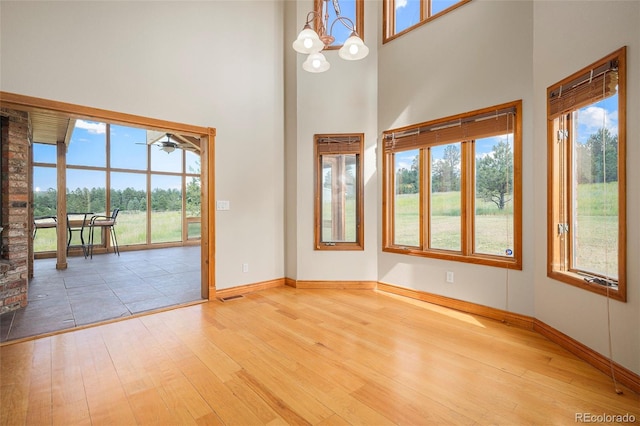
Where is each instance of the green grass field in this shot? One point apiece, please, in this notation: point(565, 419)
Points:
point(494, 227)
point(131, 228)
point(596, 233)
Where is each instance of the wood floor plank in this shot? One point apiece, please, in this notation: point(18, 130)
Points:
point(15, 377)
point(221, 399)
point(263, 402)
point(302, 356)
point(68, 393)
point(40, 399)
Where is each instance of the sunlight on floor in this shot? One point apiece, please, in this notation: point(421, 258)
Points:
point(461, 316)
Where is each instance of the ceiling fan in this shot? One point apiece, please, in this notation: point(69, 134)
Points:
point(171, 143)
point(168, 146)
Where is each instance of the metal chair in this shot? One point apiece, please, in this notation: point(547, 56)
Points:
point(43, 222)
point(76, 222)
point(105, 223)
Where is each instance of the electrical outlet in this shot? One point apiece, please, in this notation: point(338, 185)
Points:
point(449, 277)
point(245, 267)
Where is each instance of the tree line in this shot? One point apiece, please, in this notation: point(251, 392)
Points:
point(494, 174)
point(128, 199)
point(597, 161)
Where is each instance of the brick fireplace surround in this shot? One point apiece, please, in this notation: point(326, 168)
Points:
point(14, 252)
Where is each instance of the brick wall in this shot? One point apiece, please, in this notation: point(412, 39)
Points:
point(15, 201)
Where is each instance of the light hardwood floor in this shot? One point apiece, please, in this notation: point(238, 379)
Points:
point(291, 356)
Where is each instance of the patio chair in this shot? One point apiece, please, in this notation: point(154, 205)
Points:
point(76, 222)
point(43, 222)
point(106, 224)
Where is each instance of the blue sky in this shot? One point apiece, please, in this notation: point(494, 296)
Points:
point(340, 32)
point(128, 151)
point(594, 117)
point(408, 11)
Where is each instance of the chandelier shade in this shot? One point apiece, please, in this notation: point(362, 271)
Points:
point(353, 49)
point(316, 62)
point(308, 41)
point(311, 43)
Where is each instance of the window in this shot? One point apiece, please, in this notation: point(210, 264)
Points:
point(338, 194)
point(586, 183)
point(452, 188)
point(45, 193)
point(401, 16)
point(113, 166)
point(352, 12)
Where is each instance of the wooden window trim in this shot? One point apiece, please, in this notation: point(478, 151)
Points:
point(388, 18)
point(557, 252)
point(466, 254)
point(356, 147)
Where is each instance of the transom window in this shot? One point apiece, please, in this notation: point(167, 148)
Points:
point(401, 16)
point(338, 192)
point(587, 190)
point(452, 188)
point(352, 12)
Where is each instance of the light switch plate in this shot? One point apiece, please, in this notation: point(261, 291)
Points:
point(222, 205)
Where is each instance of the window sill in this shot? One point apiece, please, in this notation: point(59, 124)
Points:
point(339, 247)
point(579, 281)
point(488, 260)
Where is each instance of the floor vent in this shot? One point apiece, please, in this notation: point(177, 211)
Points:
point(229, 298)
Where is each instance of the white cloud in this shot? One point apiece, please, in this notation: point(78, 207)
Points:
point(593, 118)
point(403, 165)
point(401, 3)
point(92, 126)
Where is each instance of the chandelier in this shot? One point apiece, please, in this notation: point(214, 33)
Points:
point(312, 43)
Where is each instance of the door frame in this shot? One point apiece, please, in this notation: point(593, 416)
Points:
point(207, 163)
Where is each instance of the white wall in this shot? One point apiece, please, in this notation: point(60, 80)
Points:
point(217, 64)
point(590, 30)
point(340, 100)
point(223, 64)
point(475, 57)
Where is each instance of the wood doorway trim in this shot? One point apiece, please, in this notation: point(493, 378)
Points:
point(207, 143)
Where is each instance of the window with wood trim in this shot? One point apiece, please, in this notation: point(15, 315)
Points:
point(401, 16)
point(351, 13)
point(339, 192)
point(452, 188)
point(113, 166)
point(587, 184)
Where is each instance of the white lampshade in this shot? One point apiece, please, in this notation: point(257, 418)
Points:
point(353, 49)
point(316, 62)
point(308, 41)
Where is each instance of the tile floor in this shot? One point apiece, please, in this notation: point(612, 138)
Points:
point(103, 288)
